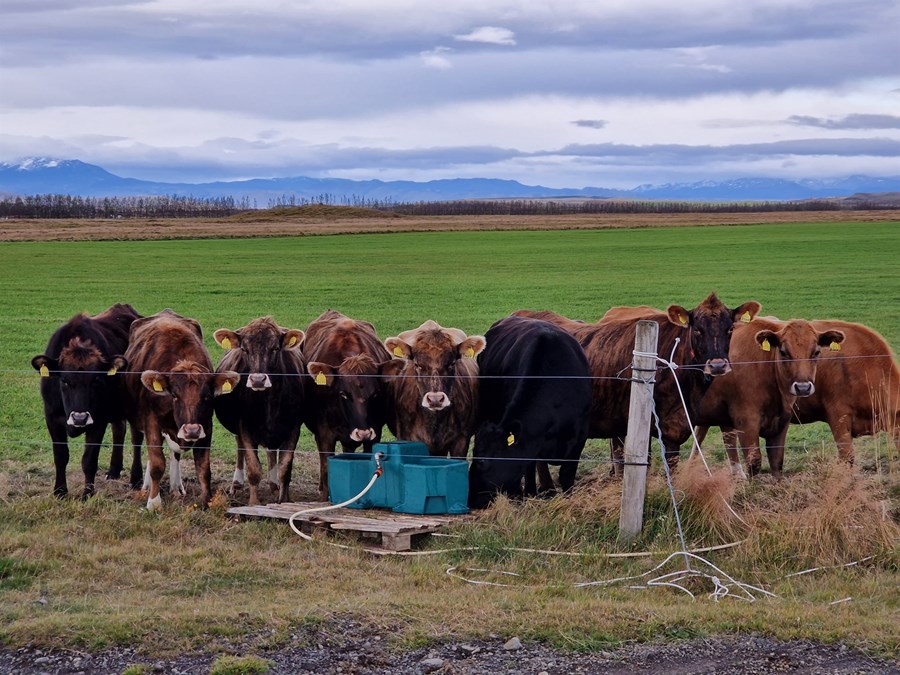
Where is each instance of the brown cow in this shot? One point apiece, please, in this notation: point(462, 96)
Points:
point(435, 389)
point(347, 401)
point(266, 410)
point(702, 336)
point(170, 397)
point(82, 392)
point(774, 365)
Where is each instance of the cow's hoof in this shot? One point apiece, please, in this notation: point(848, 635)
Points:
point(154, 503)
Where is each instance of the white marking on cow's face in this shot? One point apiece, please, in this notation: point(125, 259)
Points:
point(154, 503)
point(362, 435)
point(79, 419)
point(176, 485)
point(806, 388)
point(435, 400)
point(259, 381)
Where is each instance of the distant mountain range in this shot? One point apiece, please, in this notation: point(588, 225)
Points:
point(57, 176)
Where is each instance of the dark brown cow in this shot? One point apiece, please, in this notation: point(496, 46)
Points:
point(702, 336)
point(773, 365)
point(435, 392)
point(170, 397)
point(348, 397)
point(266, 410)
point(82, 392)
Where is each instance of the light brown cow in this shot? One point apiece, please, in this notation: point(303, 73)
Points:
point(434, 387)
point(170, 392)
point(773, 365)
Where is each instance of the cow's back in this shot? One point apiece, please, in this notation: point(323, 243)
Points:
point(333, 337)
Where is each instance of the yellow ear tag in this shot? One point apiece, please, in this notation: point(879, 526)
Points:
point(321, 380)
point(226, 343)
point(226, 387)
point(398, 351)
point(45, 371)
point(293, 341)
point(835, 346)
point(470, 353)
point(746, 318)
point(157, 385)
point(510, 439)
point(765, 346)
point(112, 371)
point(683, 319)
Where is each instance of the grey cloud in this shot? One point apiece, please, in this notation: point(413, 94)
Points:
point(857, 121)
point(590, 124)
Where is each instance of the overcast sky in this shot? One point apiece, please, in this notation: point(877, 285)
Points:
point(574, 93)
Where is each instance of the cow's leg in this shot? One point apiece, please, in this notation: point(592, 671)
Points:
point(117, 458)
point(567, 471)
point(137, 440)
point(749, 440)
point(60, 444)
point(775, 451)
point(204, 474)
point(530, 489)
point(616, 456)
point(253, 468)
point(273, 459)
point(156, 466)
point(93, 439)
point(325, 445)
point(176, 484)
point(286, 466)
point(730, 439)
point(544, 479)
point(239, 478)
point(841, 425)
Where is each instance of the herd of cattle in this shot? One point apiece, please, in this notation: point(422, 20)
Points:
point(530, 391)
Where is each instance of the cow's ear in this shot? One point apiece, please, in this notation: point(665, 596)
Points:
point(117, 363)
point(227, 339)
point(44, 364)
point(321, 373)
point(678, 315)
point(746, 312)
point(766, 339)
point(155, 382)
point(831, 339)
point(472, 346)
point(398, 347)
point(392, 368)
point(292, 338)
point(225, 382)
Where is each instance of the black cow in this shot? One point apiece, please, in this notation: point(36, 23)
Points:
point(266, 409)
point(82, 392)
point(534, 404)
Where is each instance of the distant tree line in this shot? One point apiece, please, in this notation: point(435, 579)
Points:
point(68, 206)
point(163, 206)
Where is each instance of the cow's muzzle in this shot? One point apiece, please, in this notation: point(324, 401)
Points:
point(191, 432)
point(362, 435)
point(803, 388)
point(716, 367)
point(79, 419)
point(435, 400)
point(259, 381)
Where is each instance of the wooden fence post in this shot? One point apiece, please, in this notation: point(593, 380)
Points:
point(634, 478)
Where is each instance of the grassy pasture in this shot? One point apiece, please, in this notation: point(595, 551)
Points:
point(110, 572)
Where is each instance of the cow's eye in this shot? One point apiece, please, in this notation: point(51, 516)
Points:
point(344, 395)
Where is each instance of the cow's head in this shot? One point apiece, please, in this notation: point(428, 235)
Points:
point(356, 390)
point(434, 353)
point(86, 379)
point(497, 464)
point(796, 349)
point(262, 344)
point(709, 327)
point(189, 390)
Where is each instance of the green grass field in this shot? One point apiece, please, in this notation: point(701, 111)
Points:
point(113, 573)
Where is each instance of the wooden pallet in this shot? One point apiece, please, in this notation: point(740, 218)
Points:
point(389, 531)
